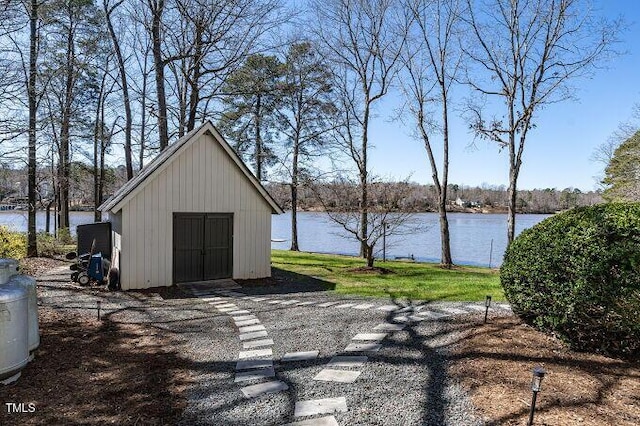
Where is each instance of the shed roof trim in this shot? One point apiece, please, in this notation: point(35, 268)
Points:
point(119, 198)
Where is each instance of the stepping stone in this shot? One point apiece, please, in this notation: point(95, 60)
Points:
point(274, 302)
point(346, 305)
point(240, 312)
point(389, 327)
point(225, 305)
point(322, 421)
point(254, 391)
point(254, 363)
point(260, 299)
point(504, 306)
point(300, 356)
point(406, 309)
point(363, 347)
point(256, 353)
point(263, 373)
point(253, 335)
point(226, 310)
point(475, 308)
point(211, 299)
point(454, 311)
point(369, 336)
point(434, 315)
point(219, 303)
point(340, 376)
point(251, 328)
point(256, 343)
point(347, 361)
point(305, 303)
point(313, 407)
point(388, 308)
point(363, 306)
point(409, 318)
point(243, 317)
point(327, 304)
point(248, 322)
point(290, 302)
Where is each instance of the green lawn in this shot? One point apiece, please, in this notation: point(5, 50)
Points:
point(421, 281)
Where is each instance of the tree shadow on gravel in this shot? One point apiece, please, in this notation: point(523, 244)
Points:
point(285, 282)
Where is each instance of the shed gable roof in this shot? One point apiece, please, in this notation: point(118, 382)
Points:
point(129, 189)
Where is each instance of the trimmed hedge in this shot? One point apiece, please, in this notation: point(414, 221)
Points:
point(577, 275)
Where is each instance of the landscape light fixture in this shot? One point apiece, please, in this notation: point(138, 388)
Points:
point(536, 382)
point(98, 303)
point(487, 303)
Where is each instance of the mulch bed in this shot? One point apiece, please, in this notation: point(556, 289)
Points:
point(95, 372)
point(495, 362)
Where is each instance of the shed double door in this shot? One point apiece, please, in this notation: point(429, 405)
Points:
point(202, 246)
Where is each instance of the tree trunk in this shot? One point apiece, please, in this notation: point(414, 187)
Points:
point(364, 194)
point(163, 128)
point(258, 147)
point(369, 255)
point(32, 246)
point(125, 93)
point(446, 260)
point(511, 213)
point(294, 198)
point(143, 114)
point(194, 96)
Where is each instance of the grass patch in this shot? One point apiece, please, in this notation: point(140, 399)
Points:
point(422, 281)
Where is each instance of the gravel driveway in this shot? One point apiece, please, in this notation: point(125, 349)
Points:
point(402, 380)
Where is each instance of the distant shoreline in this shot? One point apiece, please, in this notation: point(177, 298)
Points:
point(469, 210)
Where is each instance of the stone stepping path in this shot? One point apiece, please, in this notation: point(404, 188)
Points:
point(255, 362)
point(260, 389)
point(314, 407)
point(300, 356)
point(426, 311)
point(340, 376)
point(322, 421)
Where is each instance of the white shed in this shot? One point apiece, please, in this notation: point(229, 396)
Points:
point(195, 213)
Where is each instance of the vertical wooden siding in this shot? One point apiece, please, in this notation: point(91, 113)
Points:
point(200, 178)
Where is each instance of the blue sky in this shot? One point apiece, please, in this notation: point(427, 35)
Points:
point(558, 151)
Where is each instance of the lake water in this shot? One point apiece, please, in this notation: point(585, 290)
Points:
point(471, 235)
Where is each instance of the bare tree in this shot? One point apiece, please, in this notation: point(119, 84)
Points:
point(364, 39)
point(386, 217)
point(526, 53)
point(156, 31)
point(431, 61)
point(124, 85)
point(32, 11)
point(215, 39)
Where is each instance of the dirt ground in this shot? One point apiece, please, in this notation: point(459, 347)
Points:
point(495, 362)
point(94, 372)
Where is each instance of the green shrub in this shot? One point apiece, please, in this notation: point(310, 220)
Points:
point(12, 244)
point(50, 246)
point(577, 274)
point(64, 236)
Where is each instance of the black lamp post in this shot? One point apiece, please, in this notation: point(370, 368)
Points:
point(487, 303)
point(536, 382)
point(98, 303)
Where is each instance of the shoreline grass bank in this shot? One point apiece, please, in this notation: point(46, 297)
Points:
point(411, 280)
